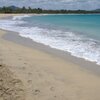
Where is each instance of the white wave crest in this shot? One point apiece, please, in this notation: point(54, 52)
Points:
point(20, 17)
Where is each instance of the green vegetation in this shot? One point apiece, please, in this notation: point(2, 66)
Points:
point(13, 9)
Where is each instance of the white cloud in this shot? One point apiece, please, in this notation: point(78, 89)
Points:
point(55, 4)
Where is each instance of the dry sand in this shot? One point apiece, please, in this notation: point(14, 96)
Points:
point(42, 76)
point(10, 87)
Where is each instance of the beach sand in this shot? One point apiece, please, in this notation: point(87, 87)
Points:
point(42, 76)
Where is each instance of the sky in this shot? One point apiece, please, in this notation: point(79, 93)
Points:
point(54, 4)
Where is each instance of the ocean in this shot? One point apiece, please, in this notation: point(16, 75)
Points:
point(78, 35)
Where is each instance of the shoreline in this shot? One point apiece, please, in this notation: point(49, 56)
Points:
point(46, 73)
point(90, 59)
point(66, 56)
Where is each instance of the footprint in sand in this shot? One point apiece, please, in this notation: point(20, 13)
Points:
point(0, 65)
point(52, 89)
point(29, 73)
point(36, 92)
point(29, 81)
point(25, 63)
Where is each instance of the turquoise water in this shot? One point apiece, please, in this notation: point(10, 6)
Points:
point(77, 34)
point(85, 24)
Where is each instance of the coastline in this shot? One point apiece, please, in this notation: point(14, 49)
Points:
point(46, 74)
point(88, 50)
point(16, 38)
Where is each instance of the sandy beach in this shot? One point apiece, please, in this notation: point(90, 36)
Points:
point(29, 73)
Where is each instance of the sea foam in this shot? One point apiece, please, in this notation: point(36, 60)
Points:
point(20, 17)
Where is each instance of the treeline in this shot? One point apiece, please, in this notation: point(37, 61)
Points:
point(13, 9)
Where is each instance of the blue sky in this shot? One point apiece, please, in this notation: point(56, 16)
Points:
point(54, 4)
